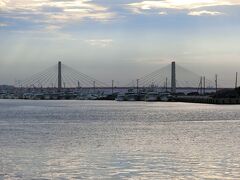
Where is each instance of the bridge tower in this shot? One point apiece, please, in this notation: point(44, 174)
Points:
point(173, 79)
point(59, 75)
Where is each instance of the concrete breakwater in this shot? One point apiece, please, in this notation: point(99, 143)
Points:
point(207, 100)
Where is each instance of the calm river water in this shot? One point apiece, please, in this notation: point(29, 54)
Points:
point(118, 140)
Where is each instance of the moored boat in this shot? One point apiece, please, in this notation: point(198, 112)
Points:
point(131, 96)
point(151, 96)
point(120, 97)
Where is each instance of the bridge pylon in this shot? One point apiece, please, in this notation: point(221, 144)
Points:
point(59, 75)
point(173, 79)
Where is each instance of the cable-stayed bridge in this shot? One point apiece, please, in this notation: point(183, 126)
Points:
point(170, 83)
point(162, 77)
point(60, 76)
point(172, 78)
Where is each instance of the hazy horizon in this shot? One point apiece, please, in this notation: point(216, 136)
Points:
point(121, 40)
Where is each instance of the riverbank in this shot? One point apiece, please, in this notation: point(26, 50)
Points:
point(207, 100)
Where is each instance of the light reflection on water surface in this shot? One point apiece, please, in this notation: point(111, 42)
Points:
point(118, 140)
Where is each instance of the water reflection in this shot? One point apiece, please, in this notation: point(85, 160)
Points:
point(110, 140)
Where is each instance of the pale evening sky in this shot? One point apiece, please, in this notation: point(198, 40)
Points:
point(119, 40)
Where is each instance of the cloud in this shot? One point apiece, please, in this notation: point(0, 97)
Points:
point(201, 13)
point(52, 28)
point(162, 13)
point(99, 42)
point(3, 3)
point(54, 11)
point(179, 4)
point(3, 24)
